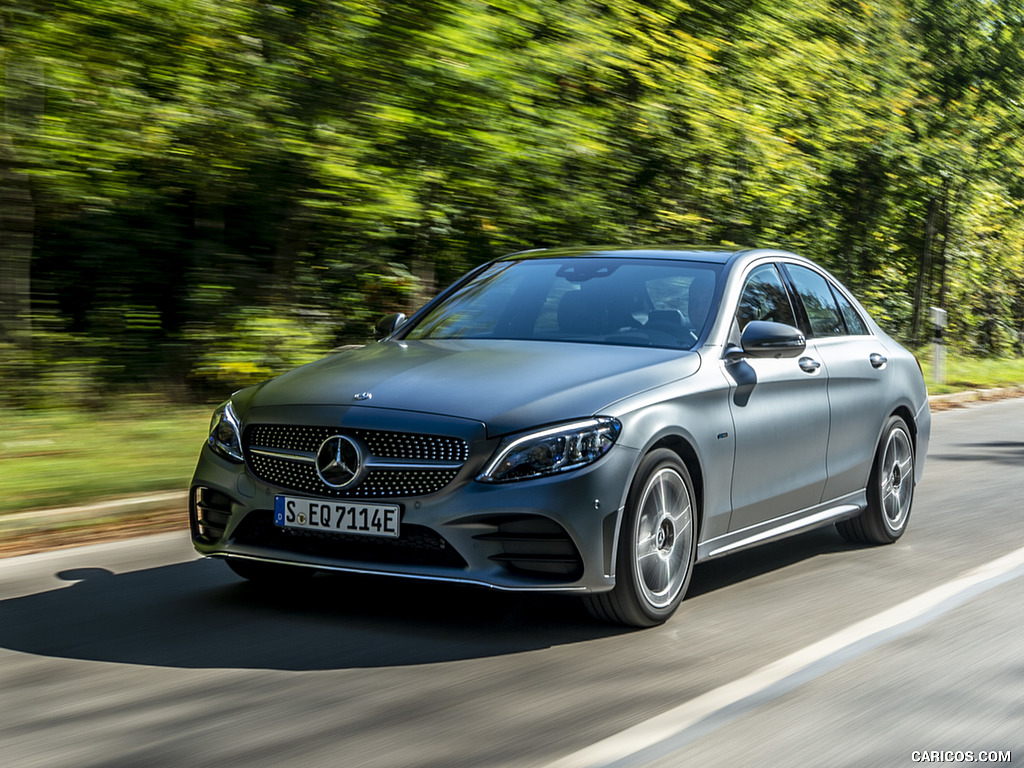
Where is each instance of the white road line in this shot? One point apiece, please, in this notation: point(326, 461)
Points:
point(679, 726)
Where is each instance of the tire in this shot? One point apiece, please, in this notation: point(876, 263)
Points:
point(269, 574)
point(890, 490)
point(657, 546)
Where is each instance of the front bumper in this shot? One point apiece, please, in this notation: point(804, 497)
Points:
point(548, 534)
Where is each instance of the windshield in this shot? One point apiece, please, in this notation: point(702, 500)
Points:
point(631, 302)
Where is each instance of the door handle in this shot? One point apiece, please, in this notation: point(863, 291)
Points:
point(809, 365)
point(878, 361)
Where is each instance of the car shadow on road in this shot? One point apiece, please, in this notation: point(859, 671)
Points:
point(198, 615)
point(992, 452)
point(764, 559)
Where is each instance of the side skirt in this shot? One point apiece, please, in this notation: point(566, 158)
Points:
point(779, 528)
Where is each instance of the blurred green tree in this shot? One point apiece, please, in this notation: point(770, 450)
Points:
point(206, 191)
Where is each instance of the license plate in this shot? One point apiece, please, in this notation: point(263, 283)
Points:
point(337, 516)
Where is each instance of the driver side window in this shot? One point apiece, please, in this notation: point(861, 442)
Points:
point(764, 298)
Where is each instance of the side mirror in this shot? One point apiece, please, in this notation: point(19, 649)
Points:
point(765, 339)
point(388, 324)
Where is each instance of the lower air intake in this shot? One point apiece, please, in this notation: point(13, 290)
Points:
point(535, 546)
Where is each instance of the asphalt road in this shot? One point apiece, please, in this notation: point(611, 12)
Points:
point(809, 652)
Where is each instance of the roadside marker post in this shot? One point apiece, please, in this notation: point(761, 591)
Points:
point(939, 318)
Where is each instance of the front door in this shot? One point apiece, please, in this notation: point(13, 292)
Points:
point(780, 411)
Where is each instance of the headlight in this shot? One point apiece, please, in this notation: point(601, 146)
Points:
point(549, 451)
point(225, 434)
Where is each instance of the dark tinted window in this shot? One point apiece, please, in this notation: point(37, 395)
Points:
point(820, 304)
point(764, 298)
point(661, 303)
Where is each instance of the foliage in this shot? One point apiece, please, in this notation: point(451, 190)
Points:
point(249, 344)
point(202, 192)
point(154, 447)
point(962, 373)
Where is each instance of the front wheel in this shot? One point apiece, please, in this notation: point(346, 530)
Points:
point(657, 546)
point(890, 490)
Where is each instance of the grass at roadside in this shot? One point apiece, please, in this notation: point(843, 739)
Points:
point(972, 373)
point(58, 458)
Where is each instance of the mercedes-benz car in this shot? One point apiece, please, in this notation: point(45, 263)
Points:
point(591, 421)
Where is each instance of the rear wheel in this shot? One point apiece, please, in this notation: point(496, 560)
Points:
point(657, 546)
point(890, 490)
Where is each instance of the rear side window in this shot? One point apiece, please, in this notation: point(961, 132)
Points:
point(764, 298)
point(819, 301)
point(854, 322)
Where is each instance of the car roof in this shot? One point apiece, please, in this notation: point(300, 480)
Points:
point(713, 254)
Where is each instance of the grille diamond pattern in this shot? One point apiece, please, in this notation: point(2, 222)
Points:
point(302, 476)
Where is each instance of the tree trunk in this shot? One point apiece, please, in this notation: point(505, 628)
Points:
point(17, 227)
point(22, 107)
point(924, 273)
point(943, 248)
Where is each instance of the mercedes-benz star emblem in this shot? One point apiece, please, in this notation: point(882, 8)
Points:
point(338, 461)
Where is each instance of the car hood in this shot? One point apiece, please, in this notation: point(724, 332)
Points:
point(506, 385)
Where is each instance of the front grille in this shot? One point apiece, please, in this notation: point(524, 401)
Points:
point(389, 445)
point(416, 464)
point(416, 546)
point(533, 545)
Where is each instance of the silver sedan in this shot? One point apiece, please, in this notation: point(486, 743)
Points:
point(591, 421)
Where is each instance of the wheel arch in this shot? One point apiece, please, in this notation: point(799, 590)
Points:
point(908, 418)
point(688, 455)
point(904, 412)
